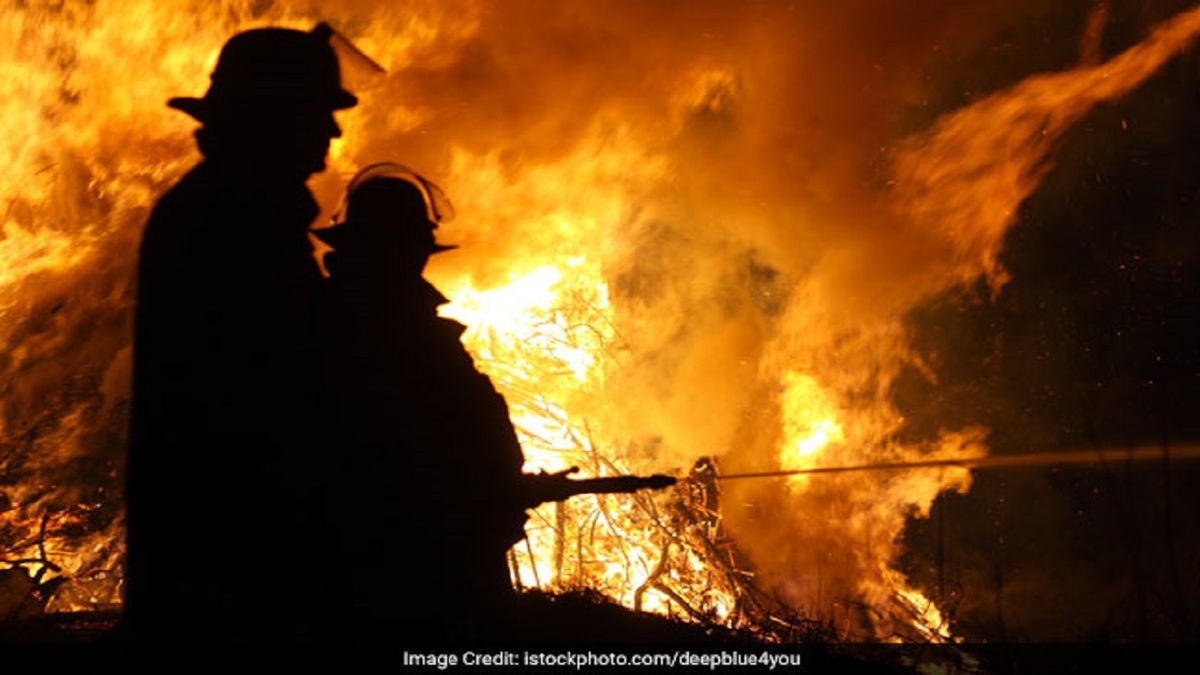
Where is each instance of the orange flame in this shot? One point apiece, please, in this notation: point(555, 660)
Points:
point(660, 264)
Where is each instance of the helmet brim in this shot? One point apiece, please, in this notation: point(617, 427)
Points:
point(342, 237)
point(195, 107)
point(202, 109)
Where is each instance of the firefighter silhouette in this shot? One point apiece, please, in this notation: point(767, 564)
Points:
point(224, 479)
point(432, 501)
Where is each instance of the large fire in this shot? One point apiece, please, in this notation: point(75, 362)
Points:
point(674, 258)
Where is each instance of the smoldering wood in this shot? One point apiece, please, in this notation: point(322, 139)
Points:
point(681, 529)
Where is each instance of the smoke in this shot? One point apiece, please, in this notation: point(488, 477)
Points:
point(727, 152)
point(723, 160)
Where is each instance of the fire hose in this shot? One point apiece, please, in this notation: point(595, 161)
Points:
point(1064, 457)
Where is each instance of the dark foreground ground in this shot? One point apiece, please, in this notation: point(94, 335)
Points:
point(575, 634)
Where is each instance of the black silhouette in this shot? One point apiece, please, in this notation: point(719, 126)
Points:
point(432, 493)
point(223, 488)
point(432, 497)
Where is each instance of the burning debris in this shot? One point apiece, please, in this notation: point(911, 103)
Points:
point(664, 270)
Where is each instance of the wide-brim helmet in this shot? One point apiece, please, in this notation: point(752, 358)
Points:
point(389, 205)
point(268, 70)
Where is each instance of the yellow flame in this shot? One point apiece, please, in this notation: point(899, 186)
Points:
point(810, 424)
point(922, 613)
point(640, 274)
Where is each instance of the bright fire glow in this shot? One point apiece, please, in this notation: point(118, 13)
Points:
point(665, 266)
point(809, 426)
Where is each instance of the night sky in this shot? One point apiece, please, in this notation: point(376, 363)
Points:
point(1093, 343)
